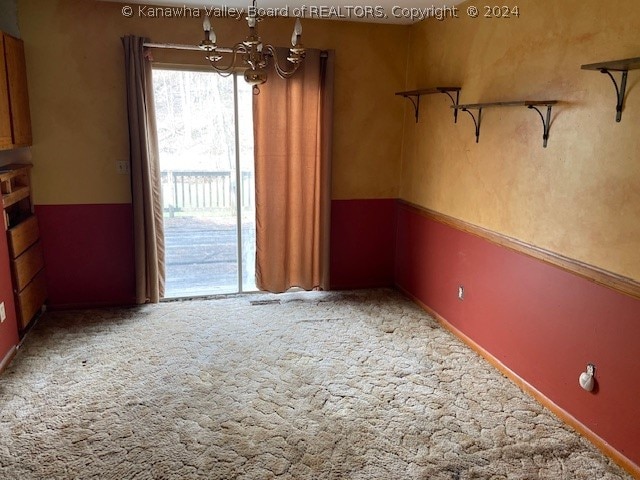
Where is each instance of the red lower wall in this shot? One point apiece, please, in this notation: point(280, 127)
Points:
point(8, 328)
point(88, 253)
point(541, 322)
point(88, 250)
point(363, 235)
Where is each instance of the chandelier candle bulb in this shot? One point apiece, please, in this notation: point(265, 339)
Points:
point(297, 31)
point(209, 42)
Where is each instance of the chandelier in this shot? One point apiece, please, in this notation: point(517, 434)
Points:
point(251, 54)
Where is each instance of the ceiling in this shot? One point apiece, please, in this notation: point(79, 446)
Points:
point(372, 11)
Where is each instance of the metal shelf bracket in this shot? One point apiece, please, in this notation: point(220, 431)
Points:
point(454, 103)
point(416, 104)
point(620, 92)
point(546, 123)
point(476, 121)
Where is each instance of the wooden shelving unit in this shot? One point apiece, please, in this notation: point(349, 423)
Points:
point(531, 104)
point(414, 97)
point(623, 66)
point(23, 237)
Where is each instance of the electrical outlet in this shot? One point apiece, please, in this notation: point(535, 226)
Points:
point(3, 313)
point(122, 167)
point(460, 292)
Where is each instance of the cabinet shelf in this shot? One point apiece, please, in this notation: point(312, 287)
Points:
point(14, 197)
point(414, 97)
point(622, 66)
point(14, 185)
point(531, 104)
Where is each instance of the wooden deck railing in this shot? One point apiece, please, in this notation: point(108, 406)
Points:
point(197, 191)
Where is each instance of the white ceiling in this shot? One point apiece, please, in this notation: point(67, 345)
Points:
point(371, 11)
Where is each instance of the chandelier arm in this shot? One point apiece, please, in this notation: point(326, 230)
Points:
point(228, 69)
point(283, 73)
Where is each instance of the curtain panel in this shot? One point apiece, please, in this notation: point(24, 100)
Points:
point(145, 173)
point(292, 140)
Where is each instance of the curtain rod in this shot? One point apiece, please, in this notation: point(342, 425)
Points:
point(178, 46)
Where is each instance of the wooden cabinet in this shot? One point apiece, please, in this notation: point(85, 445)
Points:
point(15, 119)
point(23, 237)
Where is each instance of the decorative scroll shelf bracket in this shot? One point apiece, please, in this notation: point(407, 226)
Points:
point(416, 104)
point(619, 91)
point(546, 124)
point(622, 66)
point(476, 121)
point(546, 121)
point(453, 103)
point(414, 97)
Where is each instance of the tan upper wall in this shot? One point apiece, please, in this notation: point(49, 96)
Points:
point(580, 196)
point(76, 87)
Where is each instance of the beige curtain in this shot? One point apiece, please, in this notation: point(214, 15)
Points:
point(292, 135)
point(145, 174)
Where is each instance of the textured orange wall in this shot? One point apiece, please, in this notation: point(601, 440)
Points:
point(76, 86)
point(580, 196)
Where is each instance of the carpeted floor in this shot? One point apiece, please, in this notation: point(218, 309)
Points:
point(354, 385)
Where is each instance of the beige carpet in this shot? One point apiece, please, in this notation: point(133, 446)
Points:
point(355, 385)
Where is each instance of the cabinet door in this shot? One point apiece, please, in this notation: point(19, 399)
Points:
point(6, 139)
point(18, 94)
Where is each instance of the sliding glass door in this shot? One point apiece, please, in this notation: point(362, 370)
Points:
point(205, 135)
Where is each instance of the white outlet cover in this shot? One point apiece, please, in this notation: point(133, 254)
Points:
point(3, 313)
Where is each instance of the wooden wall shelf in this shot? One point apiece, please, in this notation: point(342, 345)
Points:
point(414, 97)
point(623, 66)
point(531, 104)
point(615, 65)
